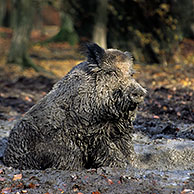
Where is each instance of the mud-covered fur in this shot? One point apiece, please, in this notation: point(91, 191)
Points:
point(85, 121)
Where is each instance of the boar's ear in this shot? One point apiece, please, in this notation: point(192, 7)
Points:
point(129, 56)
point(94, 53)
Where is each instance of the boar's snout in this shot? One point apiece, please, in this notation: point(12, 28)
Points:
point(138, 93)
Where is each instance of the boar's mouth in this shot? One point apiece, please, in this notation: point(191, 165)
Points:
point(136, 98)
point(126, 102)
point(137, 95)
point(129, 110)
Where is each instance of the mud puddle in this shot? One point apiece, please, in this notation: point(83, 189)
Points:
point(165, 165)
point(163, 141)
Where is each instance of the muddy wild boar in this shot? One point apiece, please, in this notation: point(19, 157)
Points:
point(85, 121)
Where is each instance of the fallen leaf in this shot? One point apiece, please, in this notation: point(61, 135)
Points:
point(169, 97)
point(96, 192)
point(6, 190)
point(156, 117)
point(187, 191)
point(24, 191)
point(28, 99)
point(104, 176)
point(32, 185)
point(75, 189)
point(110, 181)
point(32, 177)
point(17, 177)
point(43, 93)
point(2, 179)
point(1, 94)
point(20, 185)
point(61, 190)
point(11, 119)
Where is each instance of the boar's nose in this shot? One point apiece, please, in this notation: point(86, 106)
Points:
point(137, 95)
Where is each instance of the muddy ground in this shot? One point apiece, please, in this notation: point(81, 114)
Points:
point(163, 138)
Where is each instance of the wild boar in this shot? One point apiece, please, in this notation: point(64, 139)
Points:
point(85, 121)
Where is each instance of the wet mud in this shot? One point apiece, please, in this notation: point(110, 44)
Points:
point(163, 141)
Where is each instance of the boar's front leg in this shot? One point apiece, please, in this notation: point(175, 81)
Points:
point(28, 148)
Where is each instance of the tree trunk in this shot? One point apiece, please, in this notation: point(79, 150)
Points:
point(67, 32)
point(22, 26)
point(2, 11)
point(100, 32)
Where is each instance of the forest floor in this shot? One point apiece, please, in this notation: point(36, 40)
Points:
point(164, 128)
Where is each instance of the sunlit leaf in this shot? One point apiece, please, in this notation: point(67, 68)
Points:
point(169, 96)
point(187, 191)
point(2, 179)
point(96, 192)
point(32, 185)
point(24, 191)
point(110, 181)
point(17, 177)
point(6, 190)
point(28, 99)
point(61, 190)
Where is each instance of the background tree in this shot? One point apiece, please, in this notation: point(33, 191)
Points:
point(2, 11)
point(22, 19)
point(67, 32)
point(83, 14)
point(100, 28)
point(183, 11)
point(151, 30)
point(147, 29)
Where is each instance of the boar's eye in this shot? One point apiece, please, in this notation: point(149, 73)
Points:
point(128, 54)
point(132, 72)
